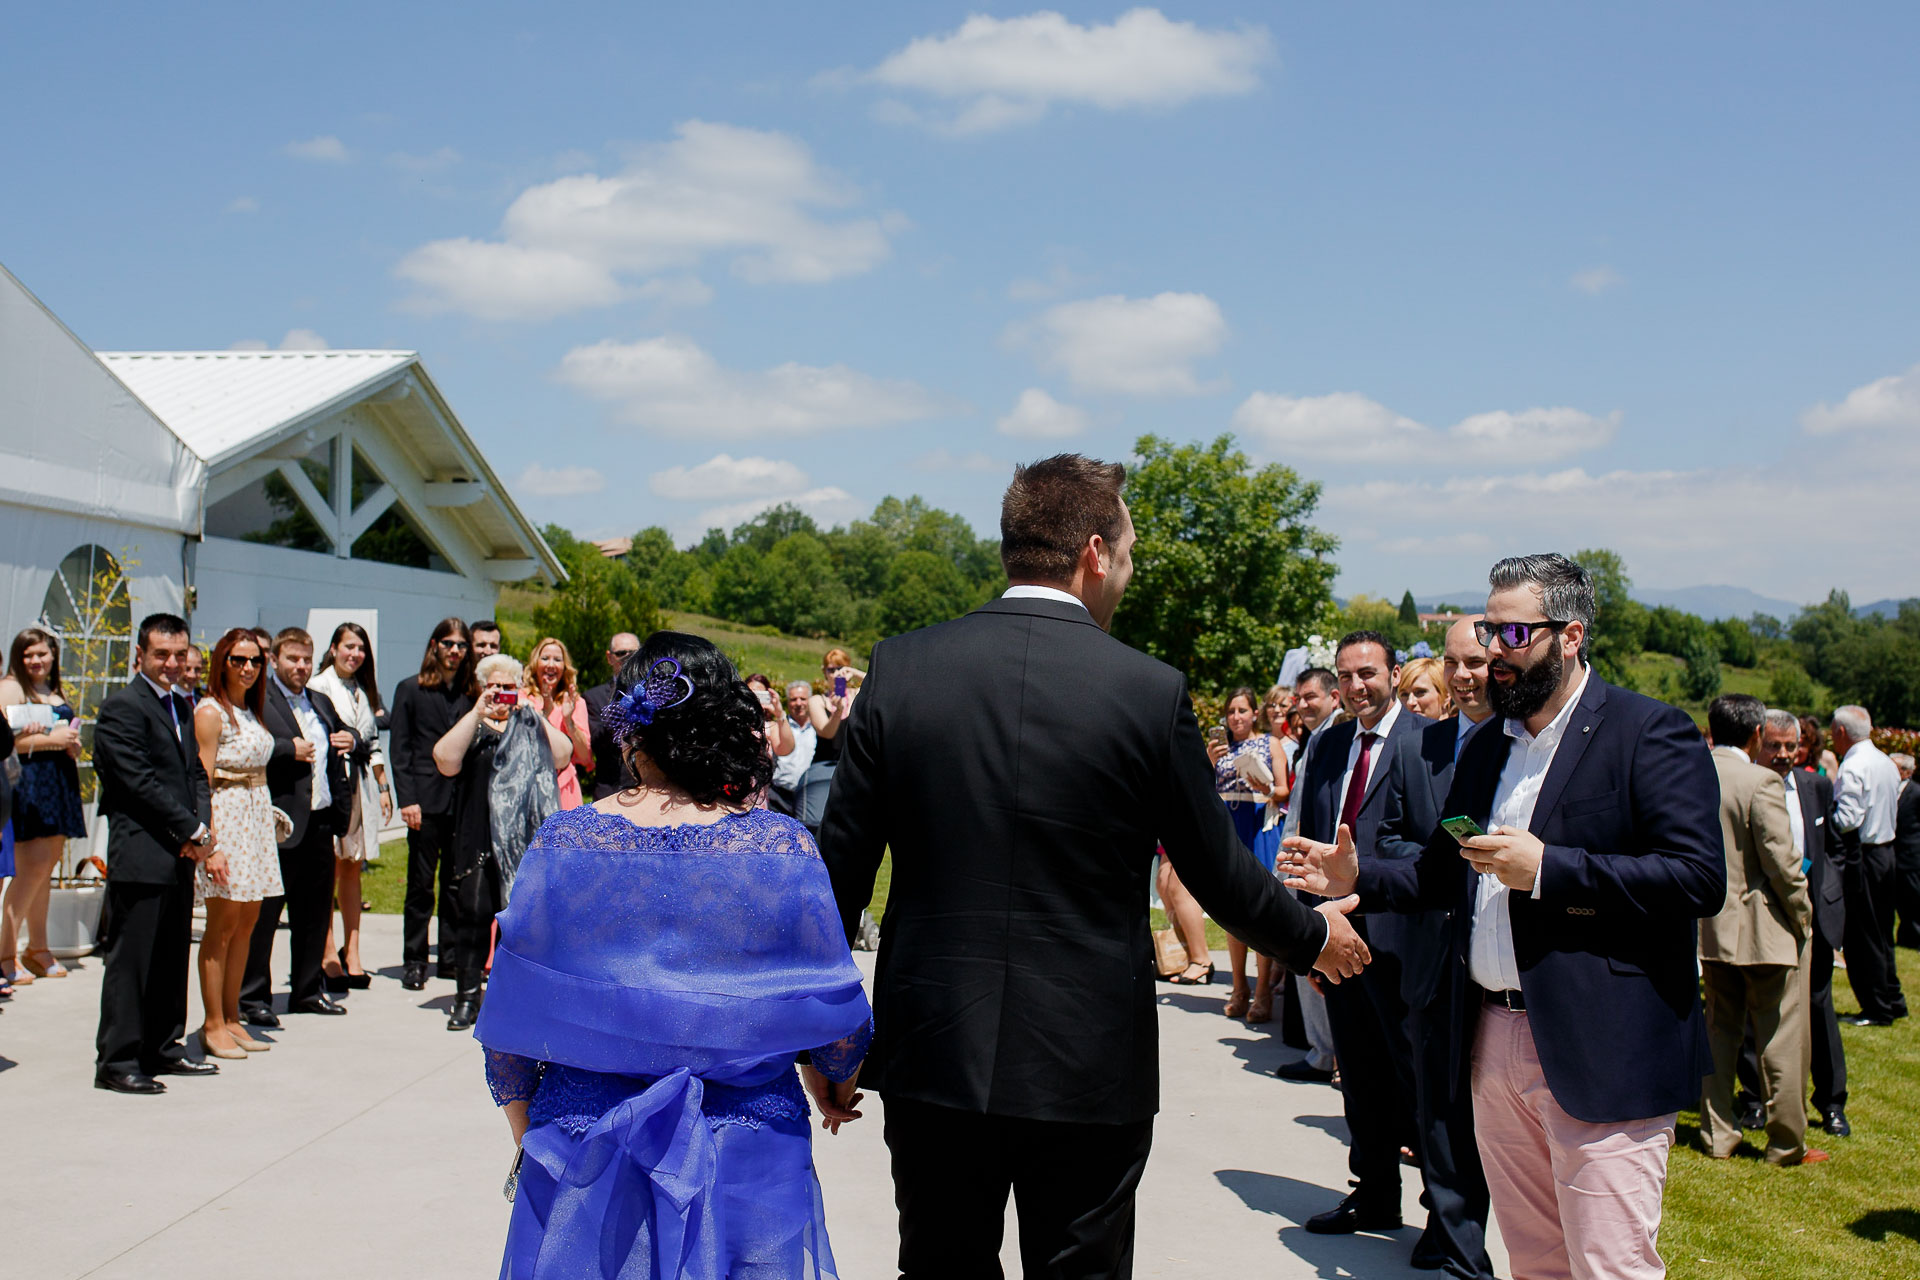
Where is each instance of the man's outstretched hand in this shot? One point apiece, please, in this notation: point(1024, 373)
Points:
point(1329, 870)
point(1345, 954)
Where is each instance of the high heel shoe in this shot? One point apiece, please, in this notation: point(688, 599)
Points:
point(246, 1042)
point(48, 968)
point(234, 1054)
point(1261, 1009)
point(15, 975)
point(354, 981)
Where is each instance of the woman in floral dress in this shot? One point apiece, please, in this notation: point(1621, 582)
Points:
point(1247, 803)
point(245, 867)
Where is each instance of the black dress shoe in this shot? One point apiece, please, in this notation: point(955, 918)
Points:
point(461, 1017)
point(414, 976)
point(188, 1067)
point(1304, 1072)
point(1835, 1123)
point(1752, 1115)
point(127, 1082)
point(317, 1004)
point(258, 1017)
point(1862, 1020)
point(1356, 1214)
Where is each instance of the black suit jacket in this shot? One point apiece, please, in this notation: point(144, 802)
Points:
point(609, 767)
point(1906, 825)
point(153, 788)
point(1826, 879)
point(1629, 814)
point(420, 718)
point(290, 781)
point(1321, 796)
point(1417, 787)
point(1021, 764)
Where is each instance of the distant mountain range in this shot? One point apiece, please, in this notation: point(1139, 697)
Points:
point(1711, 603)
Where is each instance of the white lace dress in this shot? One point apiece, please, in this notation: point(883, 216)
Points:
point(243, 815)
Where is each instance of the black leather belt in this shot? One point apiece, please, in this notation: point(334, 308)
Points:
point(1512, 1000)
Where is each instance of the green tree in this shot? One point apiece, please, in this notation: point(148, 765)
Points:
point(598, 599)
point(1409, 611)
point(1818, 628)
point(1227, 569)
point(922, 588)
point(1879, 668)
point(1700, 681)
point(772, 525)
point(1672, 631)
point(661, 569)
point(1791, 689)
point(1619, 622)
point(1738, 645)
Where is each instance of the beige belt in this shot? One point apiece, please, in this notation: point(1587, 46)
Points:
point(226, 778)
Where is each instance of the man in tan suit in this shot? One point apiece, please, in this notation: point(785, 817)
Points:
point(1753, 953)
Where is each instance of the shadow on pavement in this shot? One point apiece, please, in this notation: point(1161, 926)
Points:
point(1365, 1254)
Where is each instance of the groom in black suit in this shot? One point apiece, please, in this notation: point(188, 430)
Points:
point(1016, 1044)
point(155, 800)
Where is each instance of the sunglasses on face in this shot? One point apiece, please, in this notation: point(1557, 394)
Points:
point(457, 645)
point(621, 655)
point(1514, 635)
point(238, 660)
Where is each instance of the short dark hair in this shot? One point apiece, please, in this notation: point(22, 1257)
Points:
point(1327, 681)
point(1051, 510)
point(1566, 589)
point(1733, 719)
point(713, 745)
point(482, 624)
point(1353, 638)
point(164, 624)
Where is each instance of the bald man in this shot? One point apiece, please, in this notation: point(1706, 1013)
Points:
point(609, 768)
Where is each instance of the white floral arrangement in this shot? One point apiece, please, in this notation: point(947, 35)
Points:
point(1319, 652)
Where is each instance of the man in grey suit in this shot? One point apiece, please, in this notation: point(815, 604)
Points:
point(1753, 952)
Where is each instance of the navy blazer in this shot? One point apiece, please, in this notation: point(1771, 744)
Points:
point(1416, 797)
point(1630, 816)
point(1320, 814)
point(1826, 878)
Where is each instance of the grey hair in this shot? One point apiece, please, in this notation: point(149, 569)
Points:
point(1856, 721)
point(799, 684)
point(497, 662)
point(1783, 720)
point(1566, 589)
point(1902, 761)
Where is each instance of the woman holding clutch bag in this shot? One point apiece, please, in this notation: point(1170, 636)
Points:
point(46, 804)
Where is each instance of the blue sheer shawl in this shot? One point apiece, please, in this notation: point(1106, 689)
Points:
point(684, 955)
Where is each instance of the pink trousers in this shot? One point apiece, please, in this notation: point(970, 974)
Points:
point(1575, 1201)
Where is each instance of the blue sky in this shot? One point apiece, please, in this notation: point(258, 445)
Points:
point(1501, 278)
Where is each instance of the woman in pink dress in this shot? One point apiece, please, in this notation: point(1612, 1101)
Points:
point(551, 690)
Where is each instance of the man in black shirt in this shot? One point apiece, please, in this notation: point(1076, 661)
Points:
point(424, 708)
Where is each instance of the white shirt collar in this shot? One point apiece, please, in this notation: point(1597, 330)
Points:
point(282, 686)
point(158, 688)
point(1517, 729)
point(1042, 593)
point(1385, 725)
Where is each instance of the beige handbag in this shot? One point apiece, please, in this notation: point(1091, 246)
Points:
point(1169, 953)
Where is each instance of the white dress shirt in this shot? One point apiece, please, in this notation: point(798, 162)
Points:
point(1042, 593)
point(313, 731)
point(789, 768)
point(1865, 793)
point(1379, 732)
point(1797, 820)
point(1490, 959)
point(173, 708)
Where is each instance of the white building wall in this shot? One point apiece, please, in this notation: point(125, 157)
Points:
point(34, 542)
point(245, 584)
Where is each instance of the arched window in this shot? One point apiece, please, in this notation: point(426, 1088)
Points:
point(89, 608)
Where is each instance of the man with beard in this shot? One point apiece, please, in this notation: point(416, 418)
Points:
point(1578, 1025)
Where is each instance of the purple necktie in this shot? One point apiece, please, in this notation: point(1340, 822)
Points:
point(1357, 785)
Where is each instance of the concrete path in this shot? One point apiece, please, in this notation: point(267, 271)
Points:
point(367, 1146)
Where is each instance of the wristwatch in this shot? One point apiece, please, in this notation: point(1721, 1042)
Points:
point(201, 836)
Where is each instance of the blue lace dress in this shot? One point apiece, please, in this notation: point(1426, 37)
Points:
point(46, 800)
point(652, 989)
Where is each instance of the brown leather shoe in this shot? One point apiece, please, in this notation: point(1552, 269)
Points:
point(1814, 1156)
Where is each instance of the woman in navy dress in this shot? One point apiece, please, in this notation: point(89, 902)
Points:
point(46, 800)
point(666, 957)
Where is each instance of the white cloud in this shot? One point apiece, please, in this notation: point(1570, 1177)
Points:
point(750, 197)
point(943, 459)
point(559, 482)
point(296, 340)
point(1885, 402)
point(243, 204)
point(1595, 280)
point(829, 504)
point(724, 476)
point(436, 161)
point(1348, 427)
point(671, 385)
point(1135, 346)
point(994, 73)
point(325, 148)
point(1038, 416)
point(1059, 280)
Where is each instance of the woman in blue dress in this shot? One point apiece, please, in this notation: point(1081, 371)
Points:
point(46, 801)
point(1246, 802)
point(666, 956)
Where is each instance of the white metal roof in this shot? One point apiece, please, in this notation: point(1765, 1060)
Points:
point(222, 402)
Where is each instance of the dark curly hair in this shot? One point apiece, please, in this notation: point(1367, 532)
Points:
point(712, 745)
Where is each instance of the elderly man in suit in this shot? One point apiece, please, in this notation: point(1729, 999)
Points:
point(1906, 853)
point(307, 777)
point(1752, 952)
point(1809, 806)
point(1572, 947)
point(610, 772)
point(1015, 1041)
point(155, 799)
point(1345, 787)
point(1455, 1239)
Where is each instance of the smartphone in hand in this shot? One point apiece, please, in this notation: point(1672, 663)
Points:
point(839, 686)
point(1461, 828)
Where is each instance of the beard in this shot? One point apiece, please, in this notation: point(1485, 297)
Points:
point(1532, 687)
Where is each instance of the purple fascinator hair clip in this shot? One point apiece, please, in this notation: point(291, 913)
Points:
point(663, 686)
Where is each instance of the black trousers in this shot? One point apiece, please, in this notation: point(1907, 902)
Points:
point(429, 854)
point(1455, 1239)
point(143, 988)
point(1073, 1184)
point(306, 873)
point(1906, 895)
point(1369, 1021)
point(476, 902)
point(1869, 938)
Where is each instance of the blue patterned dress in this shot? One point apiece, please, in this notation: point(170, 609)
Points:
point(46, 800)
point(652, 989)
